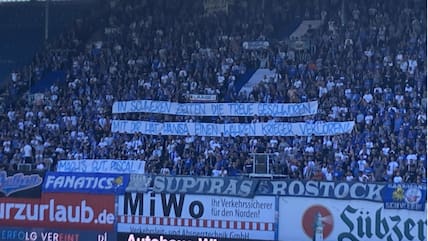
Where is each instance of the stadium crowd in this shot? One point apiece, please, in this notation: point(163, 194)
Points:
point(366, 63)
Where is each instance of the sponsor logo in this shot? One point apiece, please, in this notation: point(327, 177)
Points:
point(365, 224)
point(171, 205)
point(87, 182)
point(74, 211)
point(315, 218)
point(411, 197)
point(53, 212)
point(18, 182)
point(398, 194)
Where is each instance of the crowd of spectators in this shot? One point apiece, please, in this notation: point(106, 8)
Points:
point(366, 63)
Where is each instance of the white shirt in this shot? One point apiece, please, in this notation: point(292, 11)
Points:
point(403, 66)
point(40, 166)
point(385, 150)
point(362, 165)
point(363, 178)
point(6, 146)
point(28, 151)
point(321, 91)
point(309, 149)
point(368, 97)
point(329, 176)
point(411, 158)
point(398, 179)
point(391, 167)
point(368, 119)
point(164, 171)
point(349, 178)
point(412, 66)
point(216, 173)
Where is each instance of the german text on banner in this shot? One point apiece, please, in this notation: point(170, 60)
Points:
point(216, 109)
point(236, 129)
point(102, 166)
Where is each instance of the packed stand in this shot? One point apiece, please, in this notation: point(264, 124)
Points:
point(366, 63)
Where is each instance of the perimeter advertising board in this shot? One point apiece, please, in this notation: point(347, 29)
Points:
point(44, 234)
point(334, 220)
point(161, 237)
point(58, 210)
point(196, 215)
point(93, 183)
point(21, 184)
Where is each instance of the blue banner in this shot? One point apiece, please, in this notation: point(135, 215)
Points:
point(94, 183)
point(405, 196)
point(247, 187)
point(408, 196)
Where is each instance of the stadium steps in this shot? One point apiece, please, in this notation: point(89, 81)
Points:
point(255, 79)
point(303, 28)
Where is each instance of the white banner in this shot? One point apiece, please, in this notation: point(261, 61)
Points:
point(102, 166)
point(255, 44)
point(334, 220)
point(202, 98)
point(197, 215)
point(252, 129)
point(216, 109)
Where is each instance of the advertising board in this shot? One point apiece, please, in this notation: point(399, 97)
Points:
point(335, 220)
point(197, 215)
point(161, 237)
point(44, 234)
point(405, 196)
point(59, 210)
point(94, 183)
point(21, 184)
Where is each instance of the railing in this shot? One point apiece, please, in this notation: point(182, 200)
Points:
point(263, 166)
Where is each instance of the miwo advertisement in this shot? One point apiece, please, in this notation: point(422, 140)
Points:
point(196, 215)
